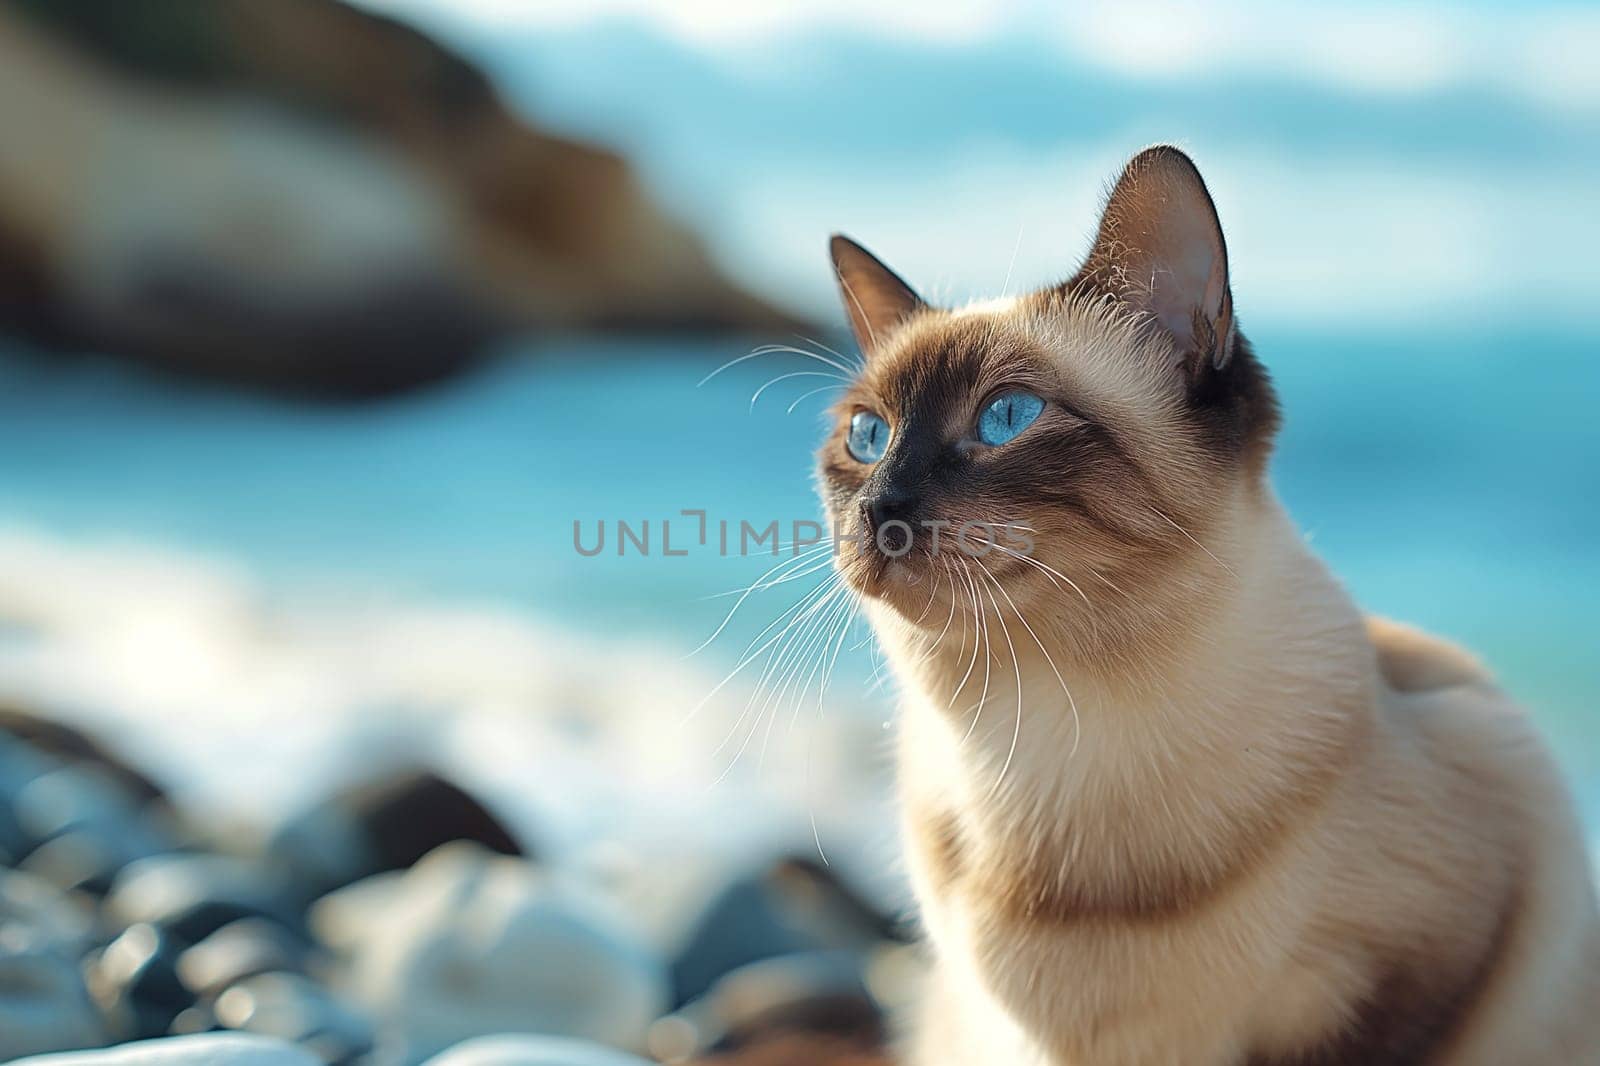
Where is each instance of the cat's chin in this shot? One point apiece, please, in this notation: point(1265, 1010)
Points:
point(909, 587)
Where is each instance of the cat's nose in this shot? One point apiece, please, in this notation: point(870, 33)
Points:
point(888, 505)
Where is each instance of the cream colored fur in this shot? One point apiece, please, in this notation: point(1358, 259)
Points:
point(1169, 798)
point(1449, 791)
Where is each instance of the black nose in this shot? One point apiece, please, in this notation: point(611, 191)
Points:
point(888, 505)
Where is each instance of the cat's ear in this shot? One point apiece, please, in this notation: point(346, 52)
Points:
point(874, 296)
point(1160, 250)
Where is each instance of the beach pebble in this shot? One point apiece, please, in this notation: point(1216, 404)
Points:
point(522, 1050)
point(822, 994)
point(799, 1050)
point(44, 1005)
point(293, 1007)
point(85, 827)
point(793, 906)
point(134, 979)
point(191, 896)
point(380, 825)
point(67, 744)
point(20, 765)
point(60, 919)
point(470, 943)
point(210, 1049)
point(241, 949)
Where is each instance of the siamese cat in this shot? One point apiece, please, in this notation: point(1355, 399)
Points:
point(1168, 796)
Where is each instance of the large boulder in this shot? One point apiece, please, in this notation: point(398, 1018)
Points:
point(307, 195)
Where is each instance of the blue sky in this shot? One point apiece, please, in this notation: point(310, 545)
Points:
point(1397, 162)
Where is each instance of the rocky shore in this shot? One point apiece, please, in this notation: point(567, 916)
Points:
point(310, 197)
point(240, 829)
point(394, 922)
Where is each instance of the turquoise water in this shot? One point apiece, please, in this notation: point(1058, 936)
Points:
point(1451, 479)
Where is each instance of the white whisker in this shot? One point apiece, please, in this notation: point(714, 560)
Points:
point(1196, 543)
point(794, 374)
point(1016, 666)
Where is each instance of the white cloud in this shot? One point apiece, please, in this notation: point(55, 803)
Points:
point(1545, 54)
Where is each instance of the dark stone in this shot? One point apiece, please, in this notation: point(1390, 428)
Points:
point(794, 906)
point(849, 1017)
point(77, 861)
point(72, 745)
point(239, 950)
point(385, 824)
point(44, 1005)
point(134, 979)
point(81, 826)
point(799, 1050)
point(293, 1007)
point(20, 765)
point(191, 896)
point(819, 994)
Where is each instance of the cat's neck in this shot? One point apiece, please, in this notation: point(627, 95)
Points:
point(1262, 688)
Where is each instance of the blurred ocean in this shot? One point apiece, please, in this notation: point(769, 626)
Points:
point(1449, 479)
point(1412, 253)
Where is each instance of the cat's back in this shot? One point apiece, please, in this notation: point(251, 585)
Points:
point(1491, 775)
point(1412, 660)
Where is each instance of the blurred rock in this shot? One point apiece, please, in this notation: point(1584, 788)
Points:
point(191, 896)
point(245, 948)
point(212, 1049)
point(134, 980)
point(44, 1005)
point(385, 824)
point(532, 1051)
point(85, 827)
point(61, 919)
point(794, 906)
point(469, 943)
point(307, 195)
point(20, 765)
point(67, 744)
point(820, 994)
point(294, 1007)
point(800, 1051)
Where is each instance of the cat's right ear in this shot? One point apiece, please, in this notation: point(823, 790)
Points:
point(875, 298)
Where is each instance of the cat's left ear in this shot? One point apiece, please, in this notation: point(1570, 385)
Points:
point(875, 298)
point(1160, 250)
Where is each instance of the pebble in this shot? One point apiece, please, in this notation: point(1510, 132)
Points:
point(191, 895)
point(44, 1005)
point(19, 766)
point(381, 825)
point(293, 1007)
point(793, 906)
point(512, 1050)
point(63, 920)
point(820, 994)
point(64, 743)
point(469, 942)
point(209, 1049)
point(134, 980)
point(245, 948)
point(84, 827)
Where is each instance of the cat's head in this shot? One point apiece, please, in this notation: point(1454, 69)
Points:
point(1094, 433)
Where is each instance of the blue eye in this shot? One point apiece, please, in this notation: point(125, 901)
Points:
point(869, 437)
point(1008, 416)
